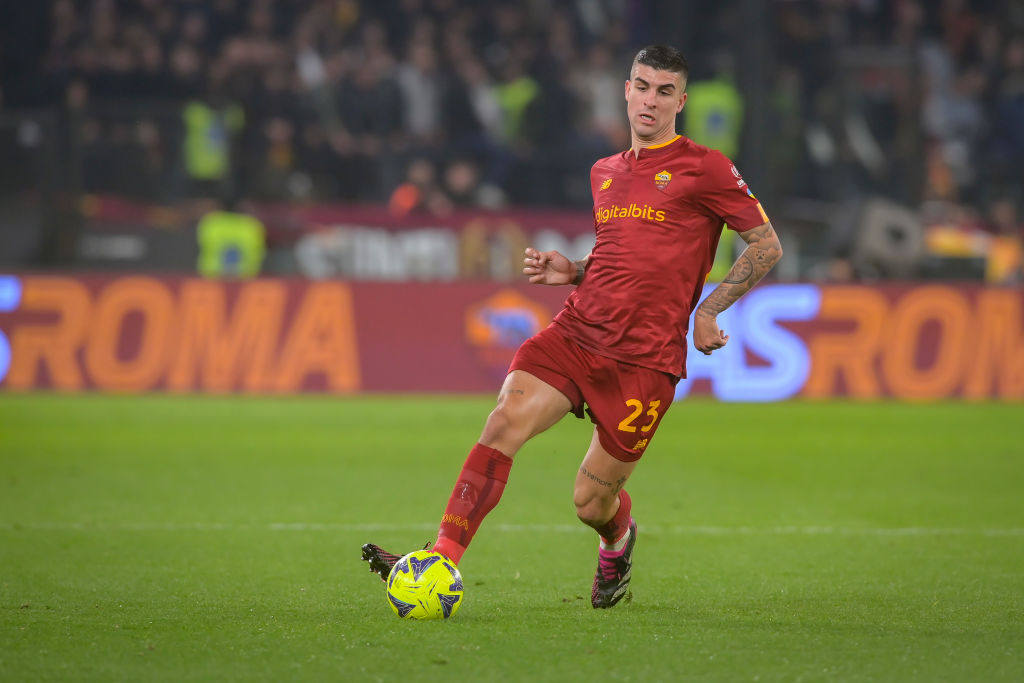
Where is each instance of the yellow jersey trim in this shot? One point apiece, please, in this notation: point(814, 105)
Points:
point(664, 144)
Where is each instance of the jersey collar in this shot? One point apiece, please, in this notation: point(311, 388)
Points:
point(655, 149)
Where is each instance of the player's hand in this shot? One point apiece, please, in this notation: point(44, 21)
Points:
point(548, 268)
point(706, 335)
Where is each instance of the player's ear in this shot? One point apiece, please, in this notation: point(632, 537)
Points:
point(628, 83)
point(682, 102)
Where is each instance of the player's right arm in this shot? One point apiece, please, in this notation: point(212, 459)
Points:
point(552, 268)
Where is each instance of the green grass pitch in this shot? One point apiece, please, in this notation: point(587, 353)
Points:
point(177, 538)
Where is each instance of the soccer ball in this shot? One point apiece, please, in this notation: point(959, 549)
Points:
point(424, 585)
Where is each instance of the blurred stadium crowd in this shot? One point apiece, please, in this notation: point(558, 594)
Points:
point(433, 104)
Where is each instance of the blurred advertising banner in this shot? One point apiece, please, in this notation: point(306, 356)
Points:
point(342, 241)
point(144, 333)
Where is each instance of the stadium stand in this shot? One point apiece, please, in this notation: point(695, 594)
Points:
point(504, 104)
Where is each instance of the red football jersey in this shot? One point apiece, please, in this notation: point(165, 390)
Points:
point(658, 219)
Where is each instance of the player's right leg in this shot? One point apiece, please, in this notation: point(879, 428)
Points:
point(526, 407)
point(381, 561)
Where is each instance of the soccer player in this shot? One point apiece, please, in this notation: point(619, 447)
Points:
point(618, 347)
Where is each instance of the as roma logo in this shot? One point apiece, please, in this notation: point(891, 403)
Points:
point(498, 325)
point(662, 179)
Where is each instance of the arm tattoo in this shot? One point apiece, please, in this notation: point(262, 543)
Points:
point(763, 251)
point(741, 271)
point(581, 269)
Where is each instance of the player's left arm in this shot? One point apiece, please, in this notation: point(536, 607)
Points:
point(763, 251)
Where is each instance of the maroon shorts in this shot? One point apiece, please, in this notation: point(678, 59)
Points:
point(625, 401)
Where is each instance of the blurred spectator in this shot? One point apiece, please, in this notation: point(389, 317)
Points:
point(600, 88)
point(515, 92)
point(465, 188)
point(1005, 161)
point(420, 192)
point(713, 113)
point(212, 124)
point(187, 71)
point(232, 243)
point(473, 120)
point(910, 100)
point(1006, 255)
point(952, 115)
point(370, 107)
point(422, 87)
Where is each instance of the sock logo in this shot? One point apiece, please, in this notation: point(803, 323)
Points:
point(457, 520)
point(465, 490)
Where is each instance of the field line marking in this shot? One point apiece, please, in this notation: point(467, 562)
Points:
point(676, 530)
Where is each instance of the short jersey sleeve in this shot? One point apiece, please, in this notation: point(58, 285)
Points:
point(723, 193)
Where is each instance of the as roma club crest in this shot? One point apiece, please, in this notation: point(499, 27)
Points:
point(662, 179)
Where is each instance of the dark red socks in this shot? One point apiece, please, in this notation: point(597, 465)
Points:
point(477, 490)
point(612, 530)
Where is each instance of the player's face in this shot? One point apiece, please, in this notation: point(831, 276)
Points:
point(653, 98)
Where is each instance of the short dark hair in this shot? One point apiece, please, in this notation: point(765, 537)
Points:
point(663, 58)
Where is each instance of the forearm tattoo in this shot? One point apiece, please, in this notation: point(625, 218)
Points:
point(763, 251)
point(740, 271)
point(581, 269)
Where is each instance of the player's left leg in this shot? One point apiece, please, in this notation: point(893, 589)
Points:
point(598, 488)
point(626, 403)
point(603, 504)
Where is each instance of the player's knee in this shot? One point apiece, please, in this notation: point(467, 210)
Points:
point(504, 429)
point(501, 422)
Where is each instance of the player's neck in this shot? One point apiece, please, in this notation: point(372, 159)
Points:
point(659, 141)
